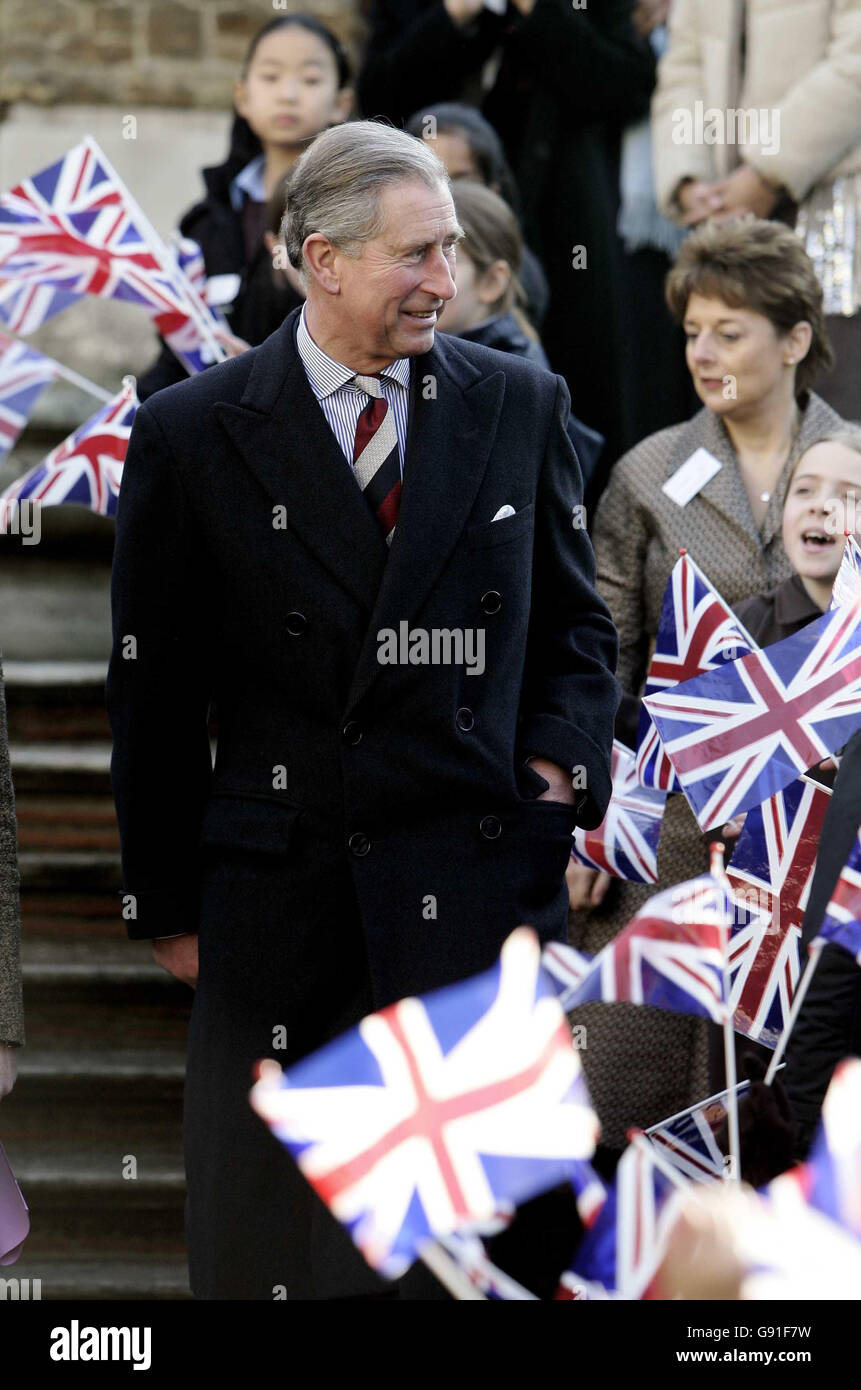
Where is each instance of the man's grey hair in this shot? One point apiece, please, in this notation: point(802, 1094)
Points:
point(335, 187)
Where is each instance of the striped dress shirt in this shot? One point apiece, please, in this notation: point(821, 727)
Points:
point(341, 402)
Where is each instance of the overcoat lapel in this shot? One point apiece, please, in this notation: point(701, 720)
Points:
point(449, 442)
point(286, 443)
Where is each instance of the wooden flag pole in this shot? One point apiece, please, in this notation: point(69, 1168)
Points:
point(195, 305)
point(795, 1008)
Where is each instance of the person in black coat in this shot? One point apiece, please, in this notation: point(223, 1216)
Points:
point(295, 82)
point(567, 81)
point(489, 307)
point(375, 825)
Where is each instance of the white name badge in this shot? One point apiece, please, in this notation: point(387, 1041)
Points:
point(692, 477)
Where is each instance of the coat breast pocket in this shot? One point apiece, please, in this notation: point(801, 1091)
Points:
point(255, 824)
point(493, 533)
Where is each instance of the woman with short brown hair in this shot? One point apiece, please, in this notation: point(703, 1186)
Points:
point(751, 307)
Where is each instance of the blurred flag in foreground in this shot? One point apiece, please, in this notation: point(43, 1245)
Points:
point(432, 1114)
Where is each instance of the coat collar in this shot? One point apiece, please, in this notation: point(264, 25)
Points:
point(282, 436)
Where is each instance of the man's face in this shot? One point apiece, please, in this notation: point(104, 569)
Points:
point(392, 293)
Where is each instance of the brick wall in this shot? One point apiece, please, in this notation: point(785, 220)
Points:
point(180, 53)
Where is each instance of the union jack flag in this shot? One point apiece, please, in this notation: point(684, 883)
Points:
point(696, 633)
point(73, 227)
point(87, 466)
point(847, 584)
point(770, 875)
point(670, 955)
point(687, 1140)
point(434, 1112)
point(567, 968)
point(24, 307)
point(625, 844)
point(621, 1252)
point(181, 333)
point(841, 925)
point(23, 374)
point(739, 735)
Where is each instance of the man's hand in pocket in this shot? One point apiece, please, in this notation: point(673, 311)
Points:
point(178, 956)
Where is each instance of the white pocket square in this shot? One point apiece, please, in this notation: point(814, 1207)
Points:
point(503, 512)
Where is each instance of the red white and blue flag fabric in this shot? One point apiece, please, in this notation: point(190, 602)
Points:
point(72, 230)
point(770, 875)
point(738, 735)
point(830, 1179)
point(567, 968)
point(433, 1113)
point(841, 925)
point(86, 468)
point(670, 955)
point(625, 844)
point(688, 1142)
point(696, 633)
point(181, 333)
point(622, 1250)
point(847, 585)
point(26, 305)
point(23, 374)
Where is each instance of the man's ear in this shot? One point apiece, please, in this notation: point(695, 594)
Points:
point(321, 260)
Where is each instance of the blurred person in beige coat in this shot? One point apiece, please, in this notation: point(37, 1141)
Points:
point(758, 108)
point(11, 1006)
point(751, 307)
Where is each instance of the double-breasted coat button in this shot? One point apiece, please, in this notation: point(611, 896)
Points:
point(359, 844)
point(464, 719)
point(491, 827)
point(352, 732)
point(491, 602)
point(296, 624)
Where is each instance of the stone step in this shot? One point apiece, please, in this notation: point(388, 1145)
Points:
point(62, 769)
point(72, 822)
point(59, 871)
point(158, 1276)
point(53, 700)
point(100, 1075)
point(67, 917)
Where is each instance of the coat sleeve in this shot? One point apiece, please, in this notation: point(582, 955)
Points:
point(569, 695)
point(680, 86)
point(11, 1004)
point(621, 538)
point(592, 68)
point(825, 1032)
point(158, 689)
point(820, 116)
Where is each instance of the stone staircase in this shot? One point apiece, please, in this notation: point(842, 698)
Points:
point(93, 1126)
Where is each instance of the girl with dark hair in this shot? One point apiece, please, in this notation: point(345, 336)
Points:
point(294, 83)
point(470, 148)
point(488, 307)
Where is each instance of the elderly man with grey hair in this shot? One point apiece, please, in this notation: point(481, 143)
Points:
point(362, 543)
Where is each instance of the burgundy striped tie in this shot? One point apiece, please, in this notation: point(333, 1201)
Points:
point(376, 461)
